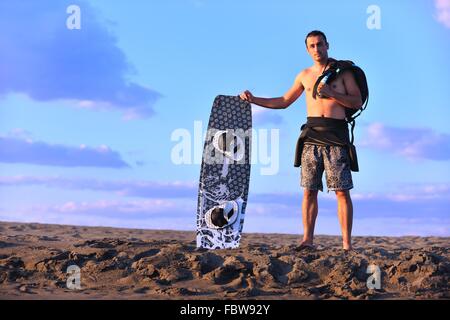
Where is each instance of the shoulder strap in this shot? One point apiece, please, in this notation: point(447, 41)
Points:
point(329, 73)
point(352, 121)
point(338, 66)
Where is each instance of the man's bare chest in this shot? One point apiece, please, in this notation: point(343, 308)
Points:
point(311, 79)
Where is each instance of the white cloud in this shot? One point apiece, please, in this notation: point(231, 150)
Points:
point(265, 116)
point(25, 150)
point(85, 66)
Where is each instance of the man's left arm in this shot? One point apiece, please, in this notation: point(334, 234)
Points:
point(352, 99)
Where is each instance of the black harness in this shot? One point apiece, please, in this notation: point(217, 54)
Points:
point(322, 133)
point(331, 74)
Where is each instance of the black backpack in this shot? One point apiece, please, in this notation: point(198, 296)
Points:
point(336, 67)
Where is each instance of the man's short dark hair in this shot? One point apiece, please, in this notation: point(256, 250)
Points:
point(316, 33)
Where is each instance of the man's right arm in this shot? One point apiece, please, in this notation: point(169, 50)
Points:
point(281, 102)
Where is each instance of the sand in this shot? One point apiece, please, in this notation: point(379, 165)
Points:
point(153, 264)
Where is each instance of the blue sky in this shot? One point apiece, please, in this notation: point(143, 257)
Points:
point(87, 116)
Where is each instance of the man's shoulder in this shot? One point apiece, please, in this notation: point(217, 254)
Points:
point(304, 73)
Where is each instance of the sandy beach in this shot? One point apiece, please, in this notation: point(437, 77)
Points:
point(162, 264)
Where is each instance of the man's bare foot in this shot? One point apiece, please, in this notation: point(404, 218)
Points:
point(305, 245)
point(347, 247)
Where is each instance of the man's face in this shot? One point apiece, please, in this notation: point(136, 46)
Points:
point(317, 48)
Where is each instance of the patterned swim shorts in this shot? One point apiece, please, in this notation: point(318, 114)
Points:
point(333, 159)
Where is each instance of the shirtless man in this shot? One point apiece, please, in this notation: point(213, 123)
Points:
point(342, 93)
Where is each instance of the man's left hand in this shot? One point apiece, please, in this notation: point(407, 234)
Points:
point(325, 91)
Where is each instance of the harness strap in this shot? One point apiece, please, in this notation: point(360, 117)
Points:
point(352, 124)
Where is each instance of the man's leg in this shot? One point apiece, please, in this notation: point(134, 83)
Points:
point(311, 181)
point(345, 214)
point(309, 211)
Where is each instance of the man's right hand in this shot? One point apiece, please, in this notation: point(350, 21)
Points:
point(247, 96)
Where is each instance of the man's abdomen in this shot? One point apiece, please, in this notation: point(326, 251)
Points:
point(328, 109)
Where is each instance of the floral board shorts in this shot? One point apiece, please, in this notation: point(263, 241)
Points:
point(334, 160)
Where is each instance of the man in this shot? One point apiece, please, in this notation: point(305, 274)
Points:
point(327, 109)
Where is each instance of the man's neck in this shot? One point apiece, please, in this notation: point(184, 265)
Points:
point(321, 64)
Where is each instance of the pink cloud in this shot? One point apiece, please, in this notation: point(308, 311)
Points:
point(411, 143)
point(125, 207)
point(171, 214)
point(188, 190)
point(174, 204)
point(443, 12)
point(136, 188)
point(274, 218)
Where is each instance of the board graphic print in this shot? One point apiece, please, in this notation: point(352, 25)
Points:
point(224, 174)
